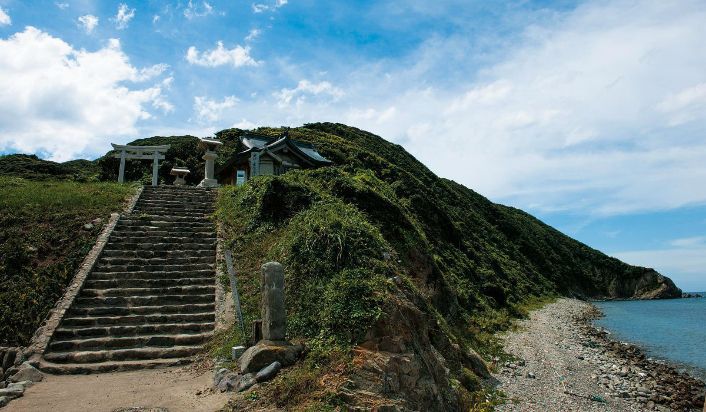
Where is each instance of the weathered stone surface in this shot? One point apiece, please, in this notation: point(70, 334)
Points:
point(27, 372)
point(245, 382)
point(265, 353)
point(274, 316)
point(237, 351)
point(9, 359)
point(228, 382)
point(219, 375)
point(20, 385)
point(268, 372)
point(4, 400)
point(11, 393)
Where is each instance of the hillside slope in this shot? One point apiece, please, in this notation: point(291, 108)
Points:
point(46, 229)
point(408, 268)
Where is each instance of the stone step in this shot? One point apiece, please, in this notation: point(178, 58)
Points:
point(143, 217)
point(162, 223)
point(128, 342)
point(175, 318)
point(156, 309)
point(146, 282)
point(113, 261)
point(175, 212)
point(147, 300)
point(114, 366)
point(152, 275)
point(159, 253)
point(71, 333)
point(167, 238)
point(122, 354)
point(154, 268)
point(138, 292)
point(133, 232)
point(170, 198)
point(139, 246)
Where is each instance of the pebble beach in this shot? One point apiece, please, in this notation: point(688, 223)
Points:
point(561, 362)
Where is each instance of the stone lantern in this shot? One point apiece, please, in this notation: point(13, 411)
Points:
point(180, 174)
point(211, 145)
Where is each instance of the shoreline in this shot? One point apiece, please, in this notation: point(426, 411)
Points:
point(563, 362)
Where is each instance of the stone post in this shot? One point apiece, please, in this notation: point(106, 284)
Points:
point(121, 171)
point(274, 315)
point(155, 168)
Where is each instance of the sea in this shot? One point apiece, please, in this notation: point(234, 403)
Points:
point(673, 330)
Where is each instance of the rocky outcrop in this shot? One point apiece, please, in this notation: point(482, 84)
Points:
point(409, 361)
point(645, 283)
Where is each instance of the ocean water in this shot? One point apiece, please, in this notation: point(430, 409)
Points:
point(673, 330)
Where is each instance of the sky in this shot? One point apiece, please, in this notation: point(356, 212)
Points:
point(591, 115)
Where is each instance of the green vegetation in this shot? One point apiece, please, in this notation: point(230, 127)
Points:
point(42, 242)
point(346, 233)
point(32, 167)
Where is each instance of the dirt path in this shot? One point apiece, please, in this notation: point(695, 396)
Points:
point(175, 389)
point(555, 371)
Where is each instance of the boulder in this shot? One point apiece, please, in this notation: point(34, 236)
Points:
point(265, 353)
point(27, 372)
point(11, 393)
point(268, 372)
point(9, 359)
point(245, 382)
point(4, 400)
point(228, 382)
point(219, 375)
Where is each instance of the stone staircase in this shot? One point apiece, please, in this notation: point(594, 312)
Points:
point(150, 299)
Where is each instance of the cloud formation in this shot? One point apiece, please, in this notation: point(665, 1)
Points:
point(88, 22)
point(125, 14)
point(261, 7)
point(5, 19)
point(209, 111)
point(63, 102)
point(197, 10)
point(306, 88)
point(238, 56)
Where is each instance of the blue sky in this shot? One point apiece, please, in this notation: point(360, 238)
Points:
point(589, 114)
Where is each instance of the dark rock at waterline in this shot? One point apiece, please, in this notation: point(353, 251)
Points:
point(688, 295)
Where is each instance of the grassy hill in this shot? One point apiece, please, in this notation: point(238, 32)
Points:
point(396, 278)
point(34, 168)
point(382, 254)
point(43, 239)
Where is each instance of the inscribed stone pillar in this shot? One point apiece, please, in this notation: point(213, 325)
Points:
point(274, 315)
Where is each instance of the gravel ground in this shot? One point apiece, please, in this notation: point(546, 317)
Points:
point(555, 370)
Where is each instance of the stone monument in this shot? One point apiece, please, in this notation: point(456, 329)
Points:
point(273, 347)
point(274, 316)
point(211, 145)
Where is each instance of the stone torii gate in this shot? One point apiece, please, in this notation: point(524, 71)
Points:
point(154, 153)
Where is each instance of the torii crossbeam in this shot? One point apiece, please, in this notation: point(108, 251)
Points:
point(154, 153)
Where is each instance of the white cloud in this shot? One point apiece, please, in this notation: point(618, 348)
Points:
point(253, 34)
point(125, 14)
point(601, 111)
point(210, 111)
point(65, 102)
point(306, 88)
point(244, 124)
point(155, 18)
point(88, 22)
point(261, 7)
point(5, 20)
point(238, 56)
point(62, 6)
point(195, 10)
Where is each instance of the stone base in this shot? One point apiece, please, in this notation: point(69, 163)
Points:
point(179, 181)
point(266, 352)
point(209, 183)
